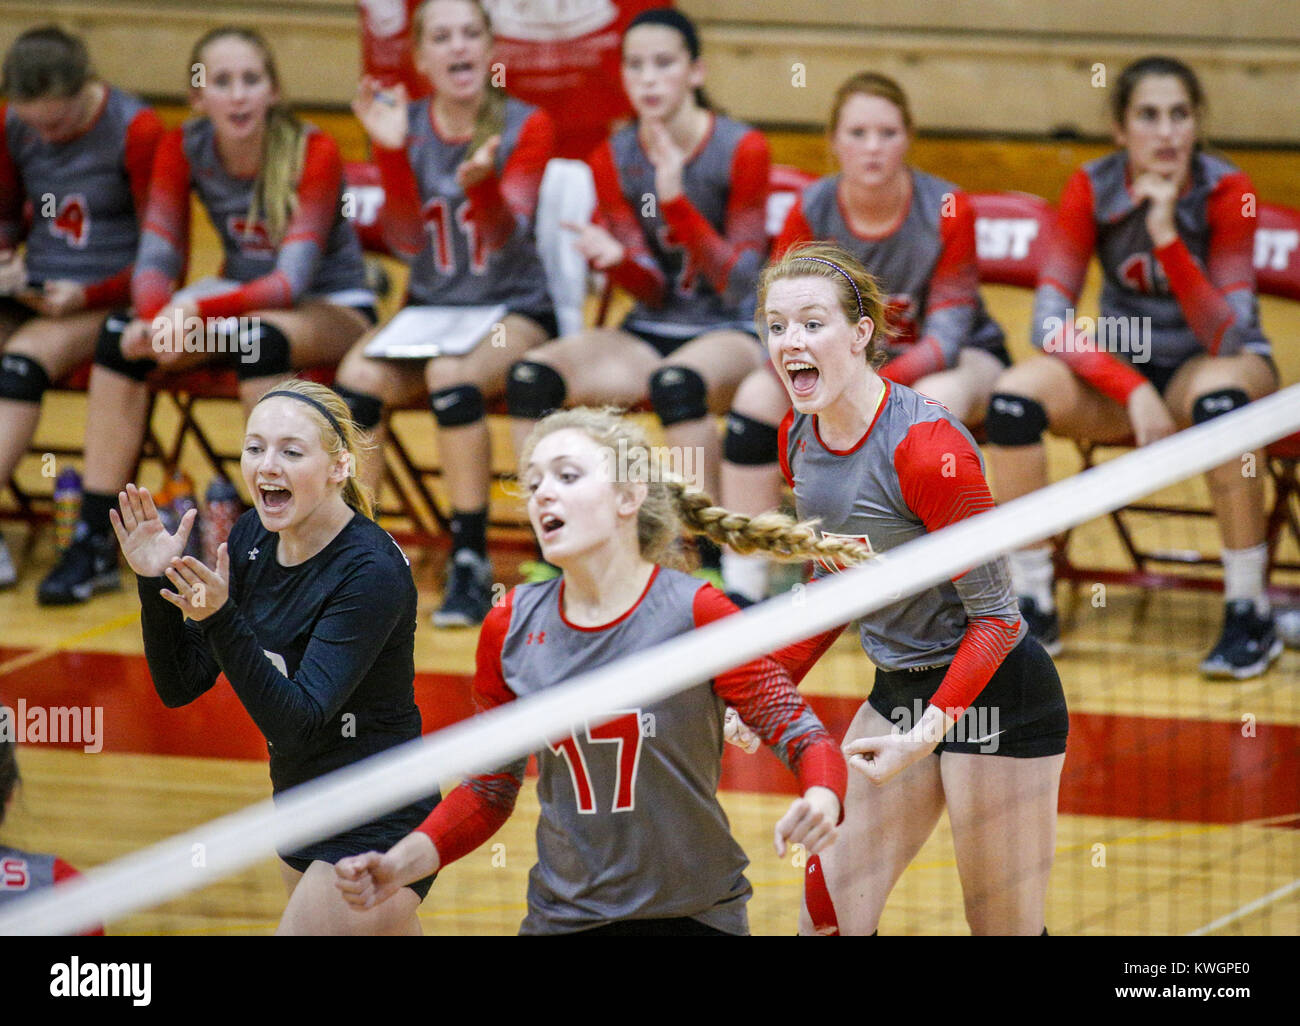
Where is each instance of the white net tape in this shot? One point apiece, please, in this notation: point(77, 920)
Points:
point(387, 781)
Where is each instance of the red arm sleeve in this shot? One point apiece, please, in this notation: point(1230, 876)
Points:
point(402, 219)
point(1205, 295)
point(165, 233)
point(765, 696)
point(12, 195)
point(639, 273)
point(740, 251)
point(476, 809)
point(63, 873)
point(942, 482)
point(783, 446)
point(305, 238)
point(142, 138)
point(498, 206)
point(950, 303)
point(1059, 284)
point(795, 230)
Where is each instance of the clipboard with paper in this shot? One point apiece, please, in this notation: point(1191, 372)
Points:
point(423, 332)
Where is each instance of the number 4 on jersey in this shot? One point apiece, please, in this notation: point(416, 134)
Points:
point(625, 731)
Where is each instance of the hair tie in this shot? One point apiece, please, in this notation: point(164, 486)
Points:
point(847, 277)
point(311, 402)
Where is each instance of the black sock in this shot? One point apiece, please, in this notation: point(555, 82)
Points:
point(94, 512)
point(1044, 933)
point(709, 553)
point(469, 531)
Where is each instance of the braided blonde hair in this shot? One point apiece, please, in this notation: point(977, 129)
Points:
point(284, 145)
point(352, 439)
point(671, 504)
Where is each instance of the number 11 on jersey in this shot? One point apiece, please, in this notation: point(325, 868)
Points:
point(625, 731)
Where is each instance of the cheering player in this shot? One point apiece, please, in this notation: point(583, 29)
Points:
point(310, 614)
point(879, 463)
point(631, 837)
point(79, 152)
point(680, 225)
point(916, 235)
point(1174, 230)
point(461, 173)
point(293, 288)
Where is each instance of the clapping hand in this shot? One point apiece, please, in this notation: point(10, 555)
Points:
point(481, 165)
point(382, 112)
point(668, 158)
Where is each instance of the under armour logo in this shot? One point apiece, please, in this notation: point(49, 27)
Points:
point(1009, 406)
point(444, 402)
point(671, 376)
point(252, 554)
point(525, 373)
point(14, 366)
point(1221, 405)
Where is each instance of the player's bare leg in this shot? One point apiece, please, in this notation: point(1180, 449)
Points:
point(722, 359)
point(1003, 815)
point(393, 382)
point(884, 827)
point(319, 332)
point(316, 908)
point(465, 452)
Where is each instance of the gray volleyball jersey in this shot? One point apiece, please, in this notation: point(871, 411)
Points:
point(725, 198)
point(928, 276)
point(1155, 306)
point(454, 267)
point(85, 227)
point(21, 873)
point(915, 471)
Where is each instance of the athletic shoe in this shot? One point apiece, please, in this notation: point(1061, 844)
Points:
point(538, 571)
point(1287, 623)
point(1247, 646)
point(87, 566)
point(1045, 628)
point(8, 575)
point(469, 592)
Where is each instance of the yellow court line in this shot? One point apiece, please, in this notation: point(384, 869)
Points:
point(89, 634)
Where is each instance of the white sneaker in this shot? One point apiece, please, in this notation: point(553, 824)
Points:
point(8, 575)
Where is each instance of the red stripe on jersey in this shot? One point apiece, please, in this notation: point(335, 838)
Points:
point(605, 626)
point(402, 221)
point(639, 273)
point(795, 230)
point(62, 874)
point(763, 693)
point(983, 648)
point(783, 446)
point(745, 227)
point(498, 205)
point(167, 216)
point(1070, 246)
point(12, 198)
point(880, 407)
point(476, 809)
point(940, 476)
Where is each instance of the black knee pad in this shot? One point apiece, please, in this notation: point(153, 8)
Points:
point(1216, 404)
point(534, 389)
point(22, 379)
point(456, 406)
point(366, 410)
point(749, 442)
point(678, 394)
point(108, 349)
point(1014, 420)
point(263, 351)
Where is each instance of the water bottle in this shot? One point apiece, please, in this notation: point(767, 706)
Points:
point(221, 508)
point(67, 507)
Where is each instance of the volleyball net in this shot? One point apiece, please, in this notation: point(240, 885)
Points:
point(1179, 802)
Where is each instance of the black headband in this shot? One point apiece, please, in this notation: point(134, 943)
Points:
point(311, 402)
point(672, 19)
point(847, 277)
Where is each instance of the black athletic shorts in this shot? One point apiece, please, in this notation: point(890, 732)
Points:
point(666, 345)
point(1020, 713)
point(544, 319)
point(378, 835)
point(1161, 374)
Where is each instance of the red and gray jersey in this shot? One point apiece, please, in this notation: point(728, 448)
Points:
point(1193, 296)
point(915, 471)
point(925, 266)
point(693, 262)
point(23, 872)
point(630, 823)
point(319, 255)
point(475, 248)
point(87, 196)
